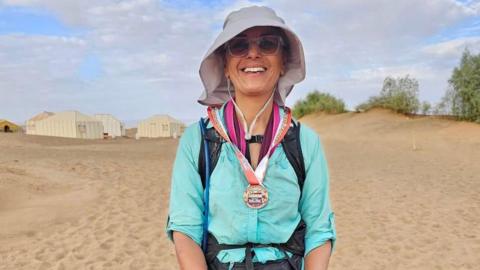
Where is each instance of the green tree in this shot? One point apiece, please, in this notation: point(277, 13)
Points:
point(444, 107)
point(318, 102)
point(426, 107)
point(463, 97)
point(399, 95)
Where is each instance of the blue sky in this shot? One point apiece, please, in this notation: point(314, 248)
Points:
point(137, 58)
point(33, 21)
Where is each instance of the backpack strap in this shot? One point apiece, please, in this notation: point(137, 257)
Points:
point(293, 150)
point(214, 146)
point(290, 143)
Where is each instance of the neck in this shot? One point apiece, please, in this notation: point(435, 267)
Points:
point(250, 106)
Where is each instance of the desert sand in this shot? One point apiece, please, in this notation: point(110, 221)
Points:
point(405, 191)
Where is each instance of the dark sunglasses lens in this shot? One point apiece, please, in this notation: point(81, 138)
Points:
point(268, 45)
point(238, 46)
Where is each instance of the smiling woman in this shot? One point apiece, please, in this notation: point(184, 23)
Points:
point(247, 197)
point(254, 69)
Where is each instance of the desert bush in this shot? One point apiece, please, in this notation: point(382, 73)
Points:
point(318, 102)
point(399, 95)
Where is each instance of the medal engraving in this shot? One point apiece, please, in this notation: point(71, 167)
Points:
point(255, 196)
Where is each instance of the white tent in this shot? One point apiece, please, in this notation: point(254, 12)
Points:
point(111, 125)
point(160, 126)
point(31, 123)
point(70, 124)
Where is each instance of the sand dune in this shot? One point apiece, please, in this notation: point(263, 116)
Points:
point(405, 193)
point(73, 204)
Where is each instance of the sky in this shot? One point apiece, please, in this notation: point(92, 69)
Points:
point(137, 58)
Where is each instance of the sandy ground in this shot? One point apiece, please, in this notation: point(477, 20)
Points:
point(406, 193)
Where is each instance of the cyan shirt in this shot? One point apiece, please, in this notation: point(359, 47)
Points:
point(230, 220)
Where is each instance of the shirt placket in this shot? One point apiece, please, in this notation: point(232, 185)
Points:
point(252, 226)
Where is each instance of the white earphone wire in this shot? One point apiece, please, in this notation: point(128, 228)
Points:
point(248, 130)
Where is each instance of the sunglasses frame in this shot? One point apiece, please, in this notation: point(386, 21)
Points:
point(281, 43)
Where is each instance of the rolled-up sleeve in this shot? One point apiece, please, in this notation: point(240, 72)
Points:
point(315, 205)
point(186, 194)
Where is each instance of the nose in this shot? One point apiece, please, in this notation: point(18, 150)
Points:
point(253, 51)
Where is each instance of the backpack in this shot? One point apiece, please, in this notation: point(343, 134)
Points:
point(290, 143)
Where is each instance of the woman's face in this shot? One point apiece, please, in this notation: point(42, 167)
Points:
point(255, 73)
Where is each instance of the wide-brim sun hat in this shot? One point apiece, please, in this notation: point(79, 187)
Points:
point(212, 67)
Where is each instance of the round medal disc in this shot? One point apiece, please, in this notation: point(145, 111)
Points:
point(255, 196)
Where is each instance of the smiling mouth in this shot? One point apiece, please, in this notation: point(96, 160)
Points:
point(254, 70)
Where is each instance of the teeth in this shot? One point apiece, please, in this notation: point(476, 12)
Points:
point(254, 69)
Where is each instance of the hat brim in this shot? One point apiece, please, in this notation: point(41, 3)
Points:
point(212, 66)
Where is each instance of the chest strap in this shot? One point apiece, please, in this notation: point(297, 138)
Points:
point(255, 139)
point(294, 245)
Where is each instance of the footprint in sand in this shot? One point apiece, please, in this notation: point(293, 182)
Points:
point(112, 228)
point(61, 266)
point(107, 245)
point(45, 266)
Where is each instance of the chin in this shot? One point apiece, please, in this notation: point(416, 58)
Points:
point(255, 92)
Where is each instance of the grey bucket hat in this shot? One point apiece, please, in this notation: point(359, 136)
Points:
point(212, 66)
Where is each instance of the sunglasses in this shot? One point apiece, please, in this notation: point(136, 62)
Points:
point(267, 45)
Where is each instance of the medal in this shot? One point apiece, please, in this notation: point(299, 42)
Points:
point(255, 196)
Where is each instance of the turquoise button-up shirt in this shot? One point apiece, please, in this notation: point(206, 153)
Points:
point(230, 220)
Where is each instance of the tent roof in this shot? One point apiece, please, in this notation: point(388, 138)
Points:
point(163, 117)
point(105, 115)
point(41, 116)
point(75, 115)
point(4, 121)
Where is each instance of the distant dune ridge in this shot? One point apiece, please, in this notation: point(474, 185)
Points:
point(405, 192)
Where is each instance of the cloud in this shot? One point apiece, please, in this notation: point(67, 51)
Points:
point(70, 11)
point(453, 48)
point(150, 51)
point(351, 46)
point(144, 48)
point(29, 62)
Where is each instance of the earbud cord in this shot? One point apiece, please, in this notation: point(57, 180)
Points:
point(248, 131)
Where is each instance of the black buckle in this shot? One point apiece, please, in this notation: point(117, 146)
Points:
point(255, 139)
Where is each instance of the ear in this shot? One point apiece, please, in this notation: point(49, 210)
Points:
point(225, 70)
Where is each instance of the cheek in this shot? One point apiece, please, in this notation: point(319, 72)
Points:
point(230, 66)
point(277, 64)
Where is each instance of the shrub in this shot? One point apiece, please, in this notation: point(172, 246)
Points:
point(318, 102)
point(399, 95)
point(462, 99)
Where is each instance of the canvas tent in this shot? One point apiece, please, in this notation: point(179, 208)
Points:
point(7, 126)
point(111, 125)
point(160, 126)
point(70, 124)
point(31, 123)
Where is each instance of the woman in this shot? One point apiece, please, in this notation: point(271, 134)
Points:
point(258, 216)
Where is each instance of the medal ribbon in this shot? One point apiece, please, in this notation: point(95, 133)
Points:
point(254, 177)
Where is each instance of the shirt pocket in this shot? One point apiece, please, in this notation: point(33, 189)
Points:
point(226, 173)
point(226, 191)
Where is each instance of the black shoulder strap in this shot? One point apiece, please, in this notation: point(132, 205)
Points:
point(214, 147)
point(293, 151)
point(291, 146)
